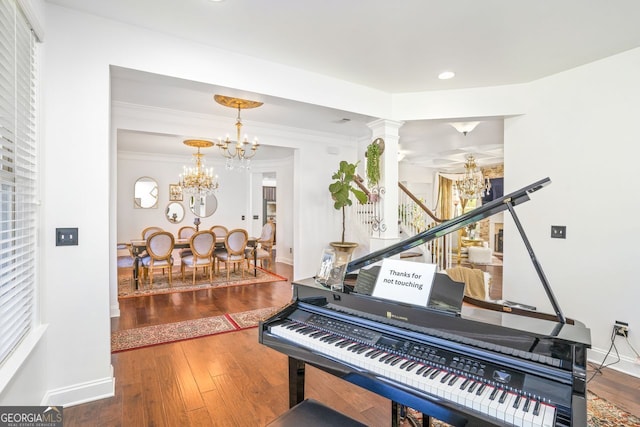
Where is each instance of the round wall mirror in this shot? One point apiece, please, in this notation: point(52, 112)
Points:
point(174, 212)
point(145, 193)
point(203, 206)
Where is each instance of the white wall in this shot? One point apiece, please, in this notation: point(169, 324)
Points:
point(571, 114)
point(79, 166)
point(232, 196)
point(580, 130)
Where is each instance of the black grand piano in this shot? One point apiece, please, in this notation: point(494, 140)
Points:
point(466, 366)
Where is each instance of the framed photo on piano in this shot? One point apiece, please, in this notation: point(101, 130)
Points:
point(326, 264)
point(330, 274)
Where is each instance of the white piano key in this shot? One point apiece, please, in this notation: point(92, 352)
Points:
point(422, 376)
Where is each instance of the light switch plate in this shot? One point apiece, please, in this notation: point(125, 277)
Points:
point(558, 231)
point(66, 237)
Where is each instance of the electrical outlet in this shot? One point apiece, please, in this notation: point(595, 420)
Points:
point(558, 231)
point(621, 328)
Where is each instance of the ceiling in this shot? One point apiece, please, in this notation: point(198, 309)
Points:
point(391, 46)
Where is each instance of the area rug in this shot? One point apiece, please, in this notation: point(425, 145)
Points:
point(600, 413)
point(129, 339)
point(161, 283)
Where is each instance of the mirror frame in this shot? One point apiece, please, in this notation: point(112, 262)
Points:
point(137, 203)
point(211, 200)
point(179, 216)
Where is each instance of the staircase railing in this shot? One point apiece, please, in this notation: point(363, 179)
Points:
point(413, 217)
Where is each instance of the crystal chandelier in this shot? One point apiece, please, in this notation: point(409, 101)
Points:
point(238, 154)
point(198, 179)
point(472, 185)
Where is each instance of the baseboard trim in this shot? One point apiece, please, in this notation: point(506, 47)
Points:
point(115, 310)
point(81, 393)
point(626, 365)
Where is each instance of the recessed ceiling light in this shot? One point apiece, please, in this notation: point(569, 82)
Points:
point(446, 75)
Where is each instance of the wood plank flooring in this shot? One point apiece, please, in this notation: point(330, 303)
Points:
point(232, 380)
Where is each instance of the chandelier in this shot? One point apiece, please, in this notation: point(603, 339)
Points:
point(472, 185)
point(198, 179)
point(239, 153)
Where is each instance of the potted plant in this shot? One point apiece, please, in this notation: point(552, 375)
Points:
point(341, 190)
point(374, 150)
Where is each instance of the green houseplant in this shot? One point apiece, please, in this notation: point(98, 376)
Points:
point(342, 189)
point(373, 163)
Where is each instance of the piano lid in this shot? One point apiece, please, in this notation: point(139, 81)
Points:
point(484, 211)
point(498, 205)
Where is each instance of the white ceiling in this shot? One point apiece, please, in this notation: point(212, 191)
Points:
point(393, 46)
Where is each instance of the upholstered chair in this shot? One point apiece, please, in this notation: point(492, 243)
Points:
point(159, 248)
point(149, 231)
point(233, 253)
point(220, 231)
point(264, 246)
point(185, 233)
point(201, 244)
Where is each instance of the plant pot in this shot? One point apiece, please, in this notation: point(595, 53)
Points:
point(344, 251)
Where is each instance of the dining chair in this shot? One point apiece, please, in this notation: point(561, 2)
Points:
point(125, 255)
point(201, 244)
point(235, 244)
point(159, 248)
point(220, 231)
point(185, 233)
point(264, 246)
point(149, 231)
point(146, 232)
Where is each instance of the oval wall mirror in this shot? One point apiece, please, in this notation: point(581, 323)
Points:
point(145, 193)
point(203, 206)
point(174, 212)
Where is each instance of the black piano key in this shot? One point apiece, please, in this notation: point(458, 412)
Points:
point(526, 406)
point(390, 359)
point(371, 352)
point(427, 372)
point(446, 378)
point(343, 344)
point(355, 345)
point(376, 353)
point(434, 374)
point(316, 334)
point(422, 369)
point(453, 380)
point(412, 366)
point(385, 357)
point(292, 326)
point(481, 389)
point(396, 361)
point(472, 387)
point(516, 403)
point(405, 364)
point(494, 393)
point(363, 349)
point(536, 408)
point(464, 385)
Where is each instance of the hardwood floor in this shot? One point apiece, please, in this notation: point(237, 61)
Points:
point(232, 380)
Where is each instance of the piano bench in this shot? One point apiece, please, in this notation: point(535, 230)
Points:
point(311, 413)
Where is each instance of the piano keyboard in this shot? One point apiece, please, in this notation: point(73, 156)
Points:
point(505, 404)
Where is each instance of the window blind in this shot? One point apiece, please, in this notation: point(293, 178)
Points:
point(17, 178)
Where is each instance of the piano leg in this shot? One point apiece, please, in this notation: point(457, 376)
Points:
point(395, 414)
point(296, 381)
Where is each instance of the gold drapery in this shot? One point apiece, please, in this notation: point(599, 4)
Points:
point(445, 198)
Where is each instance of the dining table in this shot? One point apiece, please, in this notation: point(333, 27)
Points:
point(138, 246)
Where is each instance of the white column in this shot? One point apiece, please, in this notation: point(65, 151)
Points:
point(388, 131)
